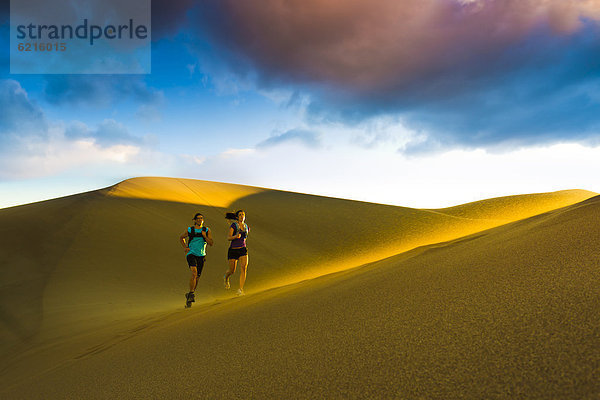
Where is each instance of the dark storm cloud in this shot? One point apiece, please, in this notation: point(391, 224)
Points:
point(4, 12)
point(474, 73)
point(464, 72)
point(169, 17)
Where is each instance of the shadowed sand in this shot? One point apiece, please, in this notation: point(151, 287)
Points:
point(506, 312)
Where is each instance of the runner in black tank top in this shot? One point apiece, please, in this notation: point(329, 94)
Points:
point(238, 252)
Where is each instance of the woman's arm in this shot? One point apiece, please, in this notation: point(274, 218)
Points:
point(183, 241)
point(208, 237)
point(231, 236)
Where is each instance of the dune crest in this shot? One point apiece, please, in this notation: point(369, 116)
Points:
point(512, 208)
point(180, 190)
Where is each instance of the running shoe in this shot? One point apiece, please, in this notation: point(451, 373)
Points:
point(188, 300)
point(240, 292)
point(226, 280)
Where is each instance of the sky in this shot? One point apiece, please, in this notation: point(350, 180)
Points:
point(418, 103)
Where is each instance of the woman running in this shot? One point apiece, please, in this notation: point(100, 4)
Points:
point(198, 236)
point(238, 232)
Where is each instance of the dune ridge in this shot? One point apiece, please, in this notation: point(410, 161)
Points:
point(512, 208)
point(192, 191)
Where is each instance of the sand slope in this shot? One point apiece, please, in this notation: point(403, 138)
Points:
point(298, 236)
point(506, 313)
point(105, 263)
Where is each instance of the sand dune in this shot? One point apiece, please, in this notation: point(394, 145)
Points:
point(106, 284)
point(212, 194)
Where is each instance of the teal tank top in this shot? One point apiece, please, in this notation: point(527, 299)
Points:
point(197, 245)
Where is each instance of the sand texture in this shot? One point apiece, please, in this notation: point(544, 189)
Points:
point(379, 301)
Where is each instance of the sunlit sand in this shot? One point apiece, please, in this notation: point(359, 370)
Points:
point(190, 191)
point(345, 298)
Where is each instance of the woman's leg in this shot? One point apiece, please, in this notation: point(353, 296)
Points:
point(193, 279)
point(199, 268)
point(231, 270)
point(243, 268)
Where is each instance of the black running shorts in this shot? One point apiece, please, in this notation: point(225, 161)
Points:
point(235, 254)
point(196, 261)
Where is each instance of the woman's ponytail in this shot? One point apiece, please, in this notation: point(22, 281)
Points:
point(233, 215)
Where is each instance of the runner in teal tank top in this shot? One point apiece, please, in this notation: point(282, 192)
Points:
point(194, 241)
point(197, 244)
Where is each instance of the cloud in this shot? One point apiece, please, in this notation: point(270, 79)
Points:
point(31, 146)
point(4, 36)
point(32, 157)
point(149, 112)
point(380, 132)
point(168, 17)
point(470, 72)
point(108, 133)
point(18, 114)
point(307, 138)
point(425, 180)
point(369, 47)
point(230, 153)
point(98, 90)
point(58, 155)
point(5, 46)
point(4, 12)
